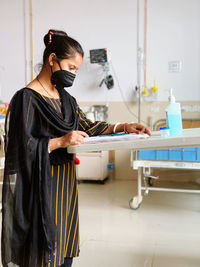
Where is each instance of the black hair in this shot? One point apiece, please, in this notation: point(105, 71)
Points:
point(61, 44)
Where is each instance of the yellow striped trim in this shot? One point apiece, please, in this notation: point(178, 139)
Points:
point(56, 219)
point(51, 191)
point(43, 97)
point(52, 103)
point(55, 100)
point(77, 246)
point(74, 235)
point(52, 170)
point(83, 119)
point(103, 129)
point(42, 257)
point(66, 216)
point(94, 126)
point(60, 107)
point(71, 223)
point(83, 114)
point(61, 223)
point(72, 188)
point(81, 126)
point(57, 194)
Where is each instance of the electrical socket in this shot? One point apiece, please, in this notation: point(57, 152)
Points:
point(174, 66)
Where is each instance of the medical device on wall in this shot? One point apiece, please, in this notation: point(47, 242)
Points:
point(100, 56)
point(109, 82)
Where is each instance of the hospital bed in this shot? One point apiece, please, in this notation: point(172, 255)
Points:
point(169, 158)
point(189, 141)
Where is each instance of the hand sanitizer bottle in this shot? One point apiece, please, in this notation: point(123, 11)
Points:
point(174, 119)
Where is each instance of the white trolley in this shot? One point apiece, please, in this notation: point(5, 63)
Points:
point(189, 138)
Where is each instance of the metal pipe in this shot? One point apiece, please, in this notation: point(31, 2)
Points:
point(171, 190)
point(140, 182)
point(25, 47)
point(145, 43)
point(31, 37)
point(138, 61)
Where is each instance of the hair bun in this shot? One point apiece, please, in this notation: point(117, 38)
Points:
point(52, 34)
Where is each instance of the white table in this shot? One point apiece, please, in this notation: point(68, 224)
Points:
point(189, 138)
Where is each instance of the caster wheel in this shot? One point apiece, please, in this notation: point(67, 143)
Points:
point(135, 202)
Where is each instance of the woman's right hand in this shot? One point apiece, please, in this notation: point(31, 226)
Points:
point(69, 139)
point(73, 138)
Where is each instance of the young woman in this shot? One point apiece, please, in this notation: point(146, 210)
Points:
point(40, 225)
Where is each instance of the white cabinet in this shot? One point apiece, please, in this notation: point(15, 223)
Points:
point(93, 166)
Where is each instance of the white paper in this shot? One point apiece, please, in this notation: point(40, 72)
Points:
point(114, 137)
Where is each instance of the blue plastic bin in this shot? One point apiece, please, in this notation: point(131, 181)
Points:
point(162, 154)
point(176, 154)
point(147, 154)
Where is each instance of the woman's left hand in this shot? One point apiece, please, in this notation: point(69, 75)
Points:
point(136, 128)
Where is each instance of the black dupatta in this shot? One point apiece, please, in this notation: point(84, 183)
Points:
point(27, 215)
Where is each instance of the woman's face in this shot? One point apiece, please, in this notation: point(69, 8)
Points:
point(71, 64)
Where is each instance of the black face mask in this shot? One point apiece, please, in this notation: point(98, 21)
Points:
point(62, 78)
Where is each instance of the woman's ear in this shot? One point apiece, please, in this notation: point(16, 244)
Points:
point(51, 59)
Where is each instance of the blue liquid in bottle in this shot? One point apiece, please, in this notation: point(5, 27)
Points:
point(174, 117)
point(175, 124)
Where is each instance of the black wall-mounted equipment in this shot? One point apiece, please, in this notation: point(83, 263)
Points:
point(98, 56)
point(109, 82)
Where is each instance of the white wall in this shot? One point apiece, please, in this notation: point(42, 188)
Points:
point(173, 35)
point(12, 53)
point(96, 24)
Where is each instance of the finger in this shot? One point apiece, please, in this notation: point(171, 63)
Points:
point(147, 131)
point(136, 131)
point(142, 130)
point(139, 126)
point(84, 134)
point(81, 139)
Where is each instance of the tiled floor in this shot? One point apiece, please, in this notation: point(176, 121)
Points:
point(164, 232)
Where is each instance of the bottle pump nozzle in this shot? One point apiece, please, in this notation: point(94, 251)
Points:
point(171, 96)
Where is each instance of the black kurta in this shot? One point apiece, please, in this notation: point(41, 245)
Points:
point(40, 224)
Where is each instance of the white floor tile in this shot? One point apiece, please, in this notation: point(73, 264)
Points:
point(163, 232)
point(177, 256)
point(157, 234)
point(106, 254)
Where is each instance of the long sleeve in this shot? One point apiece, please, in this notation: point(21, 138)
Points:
point(91, 128)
